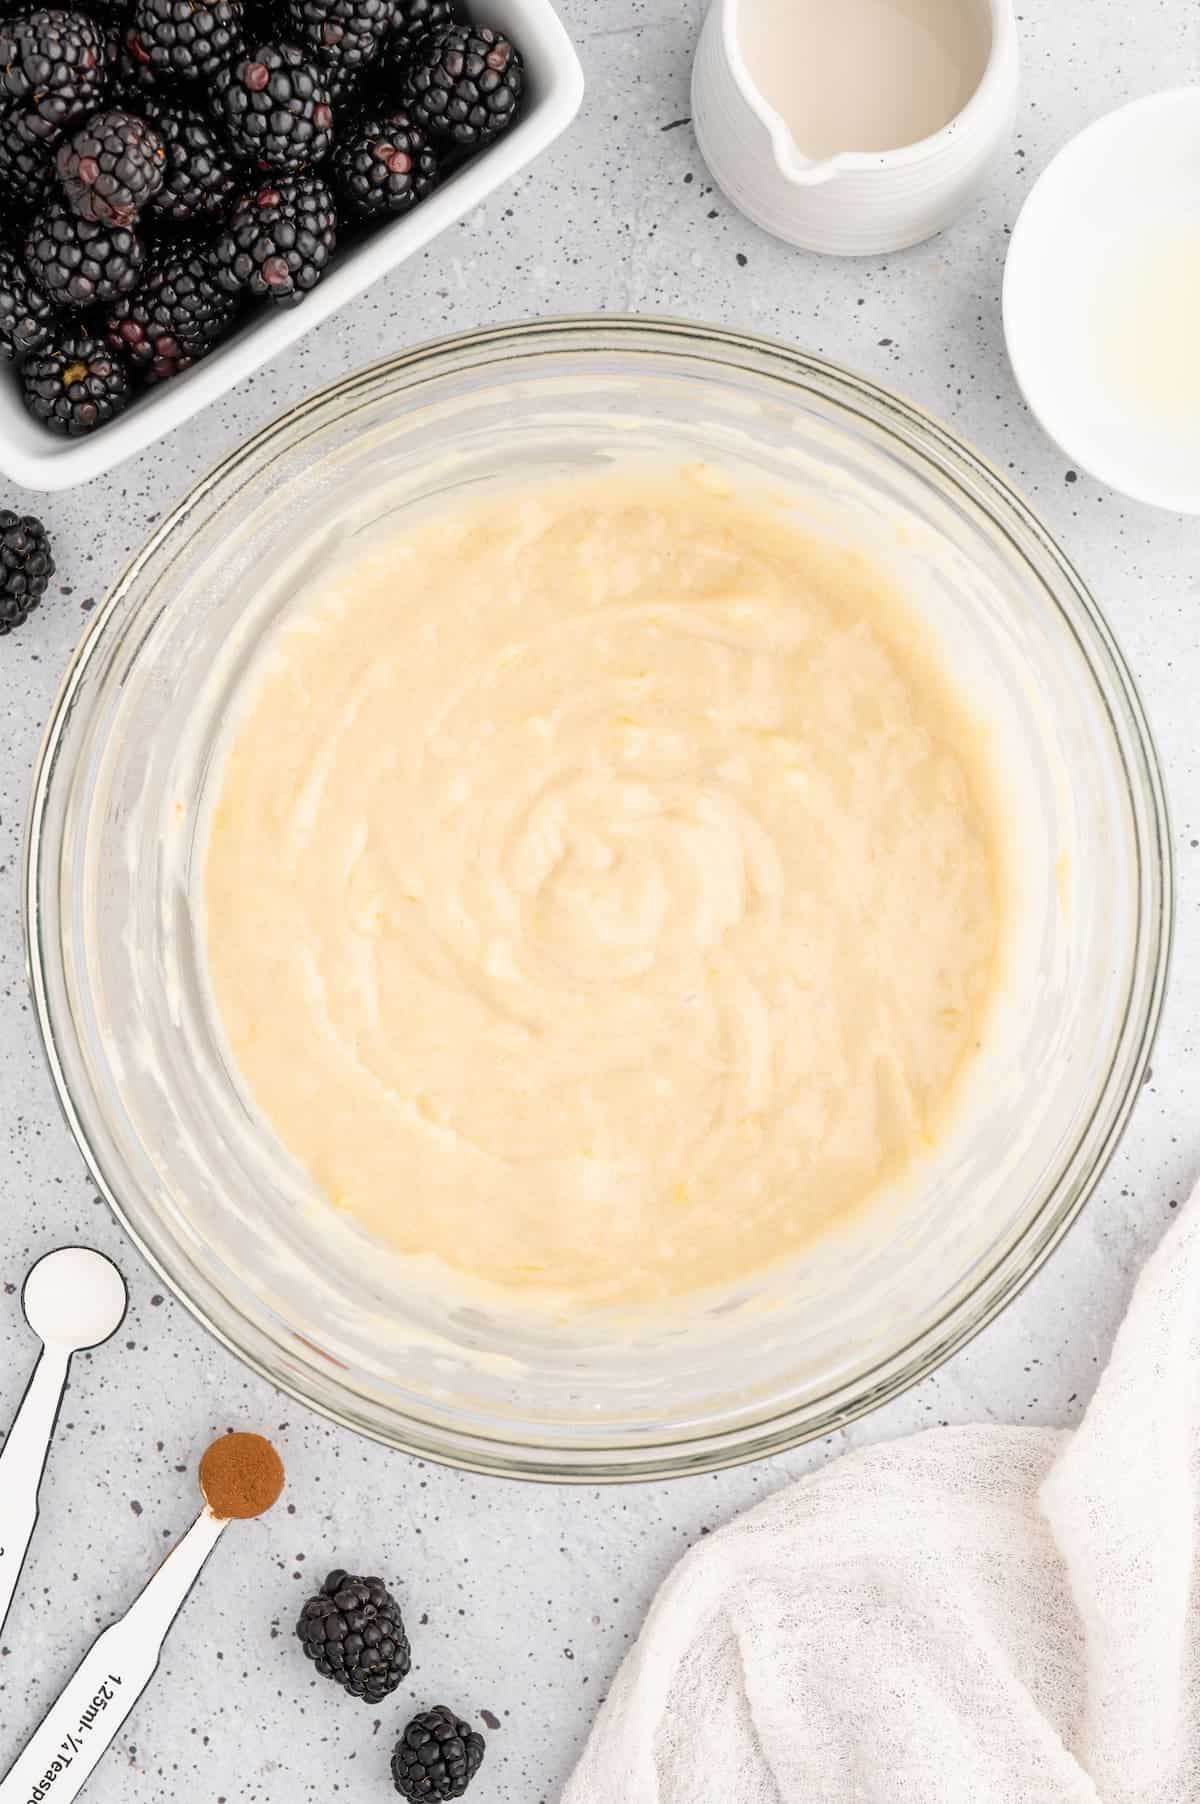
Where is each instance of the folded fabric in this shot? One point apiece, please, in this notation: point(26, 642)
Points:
point(971, 1616)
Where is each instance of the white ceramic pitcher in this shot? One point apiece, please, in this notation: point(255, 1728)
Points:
point(855, 203)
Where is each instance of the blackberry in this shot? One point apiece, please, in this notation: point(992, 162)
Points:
point(353, 1632)
point(414, 20)
point(345, 33)
point(26, 314)
point(77, 261)
point(52, 64)
point(177, 314)
point(436, 1757)
point(131, 80)
point(75, 385)
point(343, 80)
point(278, 240)
point(27, 145)
point(187, 38)
point(274, 106)
point(130, 74)
point(110, 167)
point(201, 173)
point(26, 567)
point(385, 166)
point(464, 83)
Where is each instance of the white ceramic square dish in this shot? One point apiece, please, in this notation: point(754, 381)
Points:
point(39, 459)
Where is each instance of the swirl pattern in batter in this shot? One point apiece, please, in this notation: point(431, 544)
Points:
point(603, 890)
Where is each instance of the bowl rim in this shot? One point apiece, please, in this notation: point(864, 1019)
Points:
point(1012, 1264)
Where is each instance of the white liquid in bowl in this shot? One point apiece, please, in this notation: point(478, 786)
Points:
point(865, 75)
point(1140, 340)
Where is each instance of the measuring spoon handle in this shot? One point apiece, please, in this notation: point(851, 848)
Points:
point(22, 1462)
point(59, 1757)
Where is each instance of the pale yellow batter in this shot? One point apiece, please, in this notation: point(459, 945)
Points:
point(603, 888)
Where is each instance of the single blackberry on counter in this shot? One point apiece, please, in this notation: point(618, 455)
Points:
point(274, 105)
point(187, 38)
point(26, 567)
point(52, 64)
point(177, 315)
point(386, 165)
point(278, 240)
point(77, 261)
point(437, 1757)
point(414, 20)
point(353, 1632)
point(75, 385)
point(201, 173)
point(111, 167)
point(346, 32)
point(464, 83)
point(26, 314)
point(27, 145)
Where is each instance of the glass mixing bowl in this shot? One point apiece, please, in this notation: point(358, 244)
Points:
point(116, 846)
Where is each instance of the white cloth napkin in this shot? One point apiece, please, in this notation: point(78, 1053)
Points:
point(972, 1616)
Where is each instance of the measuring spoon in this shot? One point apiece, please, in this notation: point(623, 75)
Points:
point(73, 1298)
point(63, 1750)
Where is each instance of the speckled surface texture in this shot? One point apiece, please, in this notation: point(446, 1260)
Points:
point(521, 1601)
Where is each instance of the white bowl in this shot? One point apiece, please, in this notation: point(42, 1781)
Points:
point(856, 203)
point(1100, 295)
point(39, 459)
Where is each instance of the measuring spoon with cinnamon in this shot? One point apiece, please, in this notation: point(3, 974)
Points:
point(241, 1476)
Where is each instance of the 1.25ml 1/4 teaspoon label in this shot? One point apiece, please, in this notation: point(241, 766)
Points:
point(72, 1744)
point(67, 1744)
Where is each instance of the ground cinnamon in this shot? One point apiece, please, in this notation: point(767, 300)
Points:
point(241, 1475)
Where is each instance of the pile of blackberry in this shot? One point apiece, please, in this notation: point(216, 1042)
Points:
point(167, 164)
point(353, 1632)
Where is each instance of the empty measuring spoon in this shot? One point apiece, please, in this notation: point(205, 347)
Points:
point(73, 1298)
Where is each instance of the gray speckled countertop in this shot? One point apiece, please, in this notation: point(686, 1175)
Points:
point(527, 1598)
